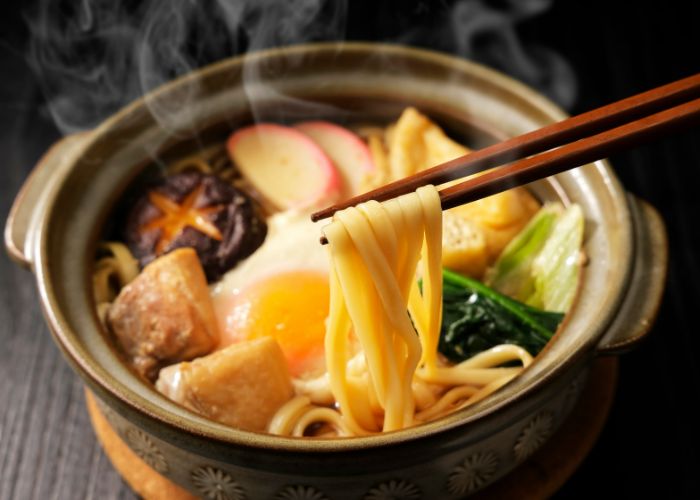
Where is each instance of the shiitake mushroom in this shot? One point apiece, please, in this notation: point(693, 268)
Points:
point(192, 209)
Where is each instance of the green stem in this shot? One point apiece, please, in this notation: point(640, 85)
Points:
point(505, 302)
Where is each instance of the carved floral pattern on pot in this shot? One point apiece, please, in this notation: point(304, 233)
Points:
point(300, 492)
point(474, 472)
point(393, 490)
point(216, 484)
point(145, 448)
point(533, 435)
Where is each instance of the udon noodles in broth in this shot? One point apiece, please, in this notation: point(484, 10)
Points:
point(375, 249)
point(220, 293)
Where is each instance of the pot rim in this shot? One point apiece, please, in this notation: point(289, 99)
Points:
point(108, 387)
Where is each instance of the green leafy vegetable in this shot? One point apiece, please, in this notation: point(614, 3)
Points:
point(476, 318)
point(540, 266)
point(557, 267)
point(512, 272)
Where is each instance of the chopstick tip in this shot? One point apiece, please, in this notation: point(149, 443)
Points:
point(322, 214)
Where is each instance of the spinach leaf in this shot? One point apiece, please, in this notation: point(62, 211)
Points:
point(476, 317)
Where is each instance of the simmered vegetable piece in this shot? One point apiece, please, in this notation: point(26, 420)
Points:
point(557, 267)
point(541, 265)
point(512, 273)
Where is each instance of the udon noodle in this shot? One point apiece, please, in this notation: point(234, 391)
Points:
point(112, 271)
point(394, 379)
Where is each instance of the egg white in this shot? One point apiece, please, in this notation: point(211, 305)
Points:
point(292, 244)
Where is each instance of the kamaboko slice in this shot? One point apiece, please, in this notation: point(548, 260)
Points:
point(284, 165)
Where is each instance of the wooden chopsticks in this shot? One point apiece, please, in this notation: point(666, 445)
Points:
point(578, 140)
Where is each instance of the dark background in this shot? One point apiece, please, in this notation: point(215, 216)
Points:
point(650, 446)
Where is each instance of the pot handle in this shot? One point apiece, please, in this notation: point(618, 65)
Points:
point(32, 197)
point(638, 310)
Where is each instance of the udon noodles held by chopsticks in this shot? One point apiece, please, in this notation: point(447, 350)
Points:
point(381, 375)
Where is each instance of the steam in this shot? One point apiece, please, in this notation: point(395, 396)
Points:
point(488, 34)
point(94, 56)
point(271, 23)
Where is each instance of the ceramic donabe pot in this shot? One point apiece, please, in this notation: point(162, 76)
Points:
point(60, 214)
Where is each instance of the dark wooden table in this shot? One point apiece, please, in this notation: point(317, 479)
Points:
point(651, 444)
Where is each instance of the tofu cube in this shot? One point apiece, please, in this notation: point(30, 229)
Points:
point(242, 385)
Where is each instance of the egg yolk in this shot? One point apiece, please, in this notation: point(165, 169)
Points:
point(291, 307)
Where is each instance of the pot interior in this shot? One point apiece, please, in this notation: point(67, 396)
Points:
point(347, 84)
